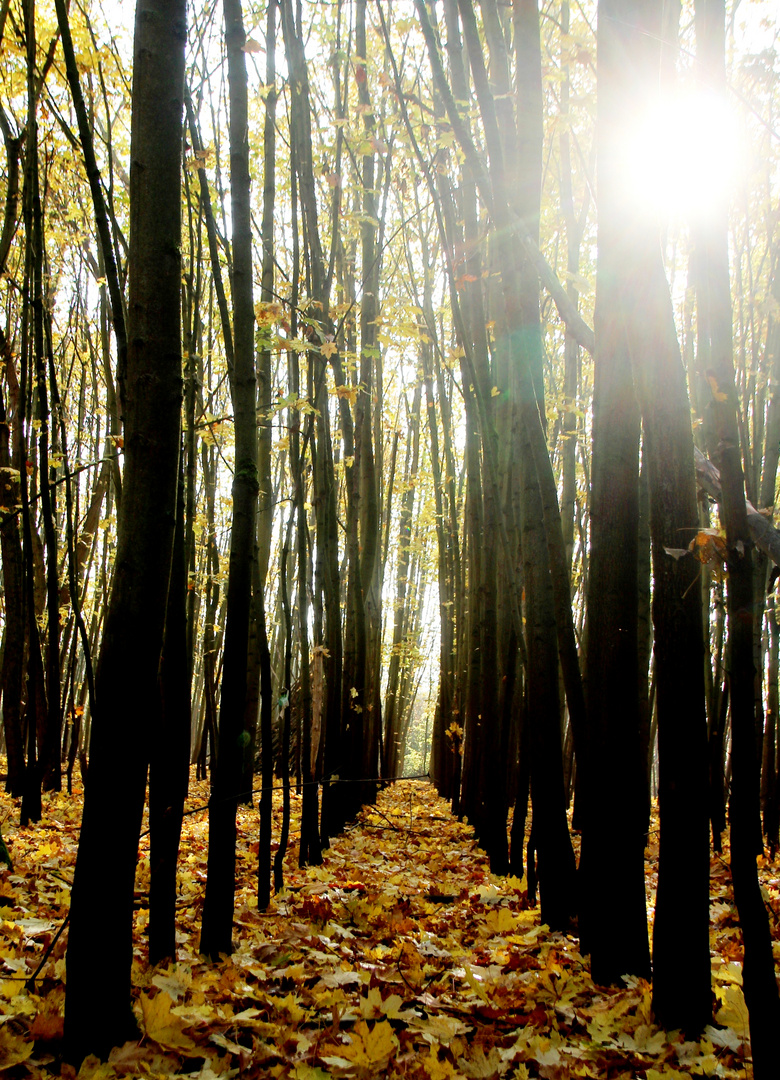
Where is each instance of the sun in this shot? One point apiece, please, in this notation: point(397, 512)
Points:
point(683, 155)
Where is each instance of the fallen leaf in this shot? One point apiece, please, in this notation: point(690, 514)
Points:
point(13, 1048)
point(163, 1027)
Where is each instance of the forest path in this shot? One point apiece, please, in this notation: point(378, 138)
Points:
point(400, 956)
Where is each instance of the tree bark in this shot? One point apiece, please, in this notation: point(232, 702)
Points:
point(613, 919)
point(217, 925)
point(130, 654)
point(714, 307)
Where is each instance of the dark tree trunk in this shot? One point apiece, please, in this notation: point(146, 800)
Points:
point(265, 495)
point(714, 305)
point(217, 925)
point(129, 660)
point(170, 756)
point(613, 916)
point(393, 750)
point(13, 593)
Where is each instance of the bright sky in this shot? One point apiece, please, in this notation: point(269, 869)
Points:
point(692, 147)
point(688, 150)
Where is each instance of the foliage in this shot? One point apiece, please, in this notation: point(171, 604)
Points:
point(400, 955)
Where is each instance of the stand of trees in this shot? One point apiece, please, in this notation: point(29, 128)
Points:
point(310, 412)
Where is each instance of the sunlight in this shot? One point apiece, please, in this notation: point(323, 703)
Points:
point(683, 157)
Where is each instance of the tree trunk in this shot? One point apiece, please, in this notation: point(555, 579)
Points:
point(217, 925)
point(714, 305)
point(613, 911)
point(129, 659)
point(170, 755)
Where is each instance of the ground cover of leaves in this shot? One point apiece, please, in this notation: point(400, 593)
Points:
point(400, 956)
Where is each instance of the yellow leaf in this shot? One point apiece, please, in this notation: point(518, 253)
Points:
point(475, 982)
point(371, 1047)
point(716, 392)
point(163, 1027)
point(348, 392)
point(92, 1068)
point(544, 1051)
point(289, 1006)
point(438, 1029)
point(438, 1070)
point(729, 973)
point(13, 1049)
point(495, 392)
point(372, 1005)
point(733, 1013)
point(482, 1066)
point(328, 349)
point(302, 1071)
point(252, 46)
point(500, 921)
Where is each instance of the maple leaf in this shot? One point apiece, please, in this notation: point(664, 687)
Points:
point(482, 1066)
point(371, 1048)
point(438, 1029)
point(174, 982)
point(290, 1006)
point(163, 1027)
point(92, 1068)
point(13, 1049)
point(733, 1012)
point(544, 1051)
point(438, 1070)
point(724, 1037)
point(308, 1072)
point(501, 921)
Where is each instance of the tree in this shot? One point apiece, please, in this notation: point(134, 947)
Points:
point(217, 927)
point(681, 929)
point(714, 312)
point(613, 913)
point(126, 679)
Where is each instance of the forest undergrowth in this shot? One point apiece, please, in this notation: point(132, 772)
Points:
point(399, 956)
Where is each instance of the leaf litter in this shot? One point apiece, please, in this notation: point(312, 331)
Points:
point(399, 956)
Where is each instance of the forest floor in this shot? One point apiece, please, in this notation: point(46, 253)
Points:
point(400, 956)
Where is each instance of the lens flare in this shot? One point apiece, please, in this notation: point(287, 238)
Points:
point(683, 155)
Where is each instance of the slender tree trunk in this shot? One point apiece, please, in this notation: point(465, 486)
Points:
point(217, 925)
point(265, 495)
point(13, 593)
point(714, 304)
point(393, 750)
point(170, 757)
